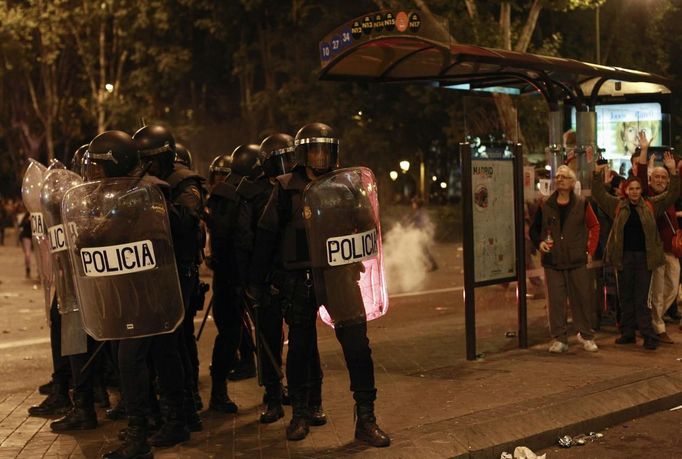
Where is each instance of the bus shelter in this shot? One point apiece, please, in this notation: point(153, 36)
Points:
point(410, 46)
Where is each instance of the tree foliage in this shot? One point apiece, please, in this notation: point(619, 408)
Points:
point(226, 73)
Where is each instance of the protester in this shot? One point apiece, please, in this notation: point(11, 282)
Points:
point(566, 232)
point(634, 247)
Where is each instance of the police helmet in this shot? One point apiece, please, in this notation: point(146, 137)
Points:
point(77, 159)
point(220, 167)
point(277, 154)
point(317, 147)
point(182, 155)
point(110, 154)
point(245, 161)
point(155, 141)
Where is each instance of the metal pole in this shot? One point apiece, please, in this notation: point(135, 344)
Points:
point(468, 252)
point(597, 34)
point(519, 217)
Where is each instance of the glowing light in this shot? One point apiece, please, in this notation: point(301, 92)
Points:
point(434, 178)
point(109, 87)
point(443, 185)
point(393, 175)
point(404, 166)
point(548, 167)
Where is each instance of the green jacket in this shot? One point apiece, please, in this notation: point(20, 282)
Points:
point(619, 210)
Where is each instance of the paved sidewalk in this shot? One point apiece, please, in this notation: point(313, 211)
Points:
point(431, 401)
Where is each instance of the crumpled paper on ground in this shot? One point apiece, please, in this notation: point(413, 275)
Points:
point(522, 452)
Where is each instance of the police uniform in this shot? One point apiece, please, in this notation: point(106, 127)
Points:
point(281, 233)
point(223, 203)
point(187, 194)
point(254, 196)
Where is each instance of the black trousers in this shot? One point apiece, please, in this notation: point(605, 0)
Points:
point(61, 368)
point(83, 377)
point(185, 342)
point(303, 359)
point(633, 293)
point(227, 317)
point(270, 327)
point(189, 284)
point(134, 372)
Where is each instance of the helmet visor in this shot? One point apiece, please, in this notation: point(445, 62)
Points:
point(320, 155)
point(92, 170)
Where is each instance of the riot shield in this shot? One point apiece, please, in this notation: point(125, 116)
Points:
point(121, 249)
point(341, 211)
point(30, 193)
point(56, 182)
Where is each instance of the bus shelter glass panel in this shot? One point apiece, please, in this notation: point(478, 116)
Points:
point(491, 130)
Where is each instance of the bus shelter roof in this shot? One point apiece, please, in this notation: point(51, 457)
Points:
point(383, 47)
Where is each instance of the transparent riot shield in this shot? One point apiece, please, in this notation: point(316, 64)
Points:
point(56, 182)
point(120, 244)
point(341, 211)
point(30, 192)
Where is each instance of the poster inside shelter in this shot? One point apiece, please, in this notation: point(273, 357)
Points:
point(493, 219)
point(618, 127)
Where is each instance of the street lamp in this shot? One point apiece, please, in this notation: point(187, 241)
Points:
point(393, 175)
point(404, 166)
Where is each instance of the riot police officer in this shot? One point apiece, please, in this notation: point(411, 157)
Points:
point(223, 207)
point(254, 191)
point(283, 218)
point(183, 160)
point(57, 390)
point(156, 146)
point(245, 167)
point(183, 155)
point(114, 154)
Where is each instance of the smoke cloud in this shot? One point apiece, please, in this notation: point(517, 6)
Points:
point(405, 260)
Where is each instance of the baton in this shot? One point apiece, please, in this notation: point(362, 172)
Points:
point(203, 322)
point(260, 342)
point(92, 357)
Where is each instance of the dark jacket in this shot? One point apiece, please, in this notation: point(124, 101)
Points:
point(619, 210)
point(578, 235)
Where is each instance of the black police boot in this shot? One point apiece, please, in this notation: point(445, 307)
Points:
point(117, 412)
point(46, 389)
point(57, 403)
point(194, 423)
point(135, 445)
point(298, 427)
point(273, 401)
point(316, 416)
point(81, 417)
point(154, 423)
point(198, 403)
point(101, 397)
point(220, 401)
point(366, 428)
point(174, 431)
point(245, 369)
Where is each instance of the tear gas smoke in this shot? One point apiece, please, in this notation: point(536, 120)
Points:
point(405, 260)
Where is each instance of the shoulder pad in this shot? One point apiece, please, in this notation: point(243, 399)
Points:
point(250, 189)
point(152, 180)
point(225, 190)
point(247, 189)
point(181, 173)
point(293, 181)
